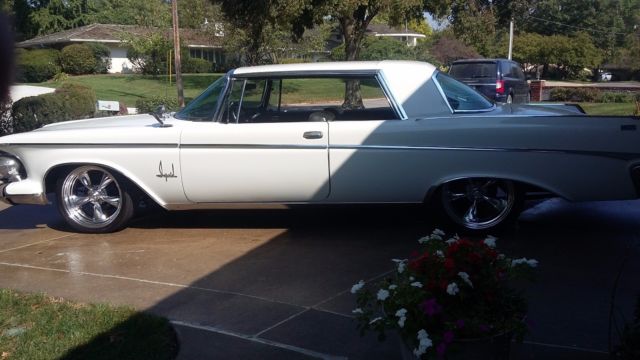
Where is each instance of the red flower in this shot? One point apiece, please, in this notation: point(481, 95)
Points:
point(449, 264)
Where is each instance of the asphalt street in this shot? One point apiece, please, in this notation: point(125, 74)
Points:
point(274, 283)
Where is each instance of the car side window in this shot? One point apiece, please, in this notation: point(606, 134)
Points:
point(518, 72)
point(505, 68)
point(301, 99)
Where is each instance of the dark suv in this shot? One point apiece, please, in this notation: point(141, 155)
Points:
point(500, 80)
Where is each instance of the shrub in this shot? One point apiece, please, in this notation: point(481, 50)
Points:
point(291, 61)
point(575, 94)
point(38, 65)
point(102, 55)
point(616, 97)
point(196, 66)
point(151, 104)
point(69, 102)
point(78, 59)
point(6, 121)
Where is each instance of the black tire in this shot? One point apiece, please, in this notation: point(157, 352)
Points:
point(459, 196)
point(92, 199)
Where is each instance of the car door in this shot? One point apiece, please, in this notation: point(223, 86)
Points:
point(250, 156)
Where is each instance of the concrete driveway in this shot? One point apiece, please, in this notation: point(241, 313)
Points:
point(273, 283)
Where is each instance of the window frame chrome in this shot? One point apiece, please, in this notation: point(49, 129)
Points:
point(444, 97)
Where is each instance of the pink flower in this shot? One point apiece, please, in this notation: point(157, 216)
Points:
point(431, 307)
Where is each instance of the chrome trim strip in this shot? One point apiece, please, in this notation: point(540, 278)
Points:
point(614, 155)
point(399, 110)
point(29, 199)
point(444, 97)
point(136, 145)
point(252, 146)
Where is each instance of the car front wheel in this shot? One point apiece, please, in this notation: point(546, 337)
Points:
point(92, 200)
point(481, 204)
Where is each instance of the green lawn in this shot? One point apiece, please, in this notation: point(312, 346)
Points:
point(42, 327)
point(129, 88)
point(608, 108)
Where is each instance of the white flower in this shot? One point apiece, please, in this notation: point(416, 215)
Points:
point(424, 239)
point(411, 278)
point(439, 253)
point(401, 321)
point(402, 264)
point(357, 287)
point(375, 320)
point(438, 232)
point(357, 311)
point(530, 262)
point(464, 276)
point(452, 289)
point(424, 343)
point(417, 284)
point(453, 239)
point(501, 257)
point(490, 241)
point(401, 313)
point(383, 294)
point(393, 287)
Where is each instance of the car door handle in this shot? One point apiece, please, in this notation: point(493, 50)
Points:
point(312, 135)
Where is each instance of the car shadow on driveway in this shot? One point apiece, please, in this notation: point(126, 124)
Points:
point(273, 284)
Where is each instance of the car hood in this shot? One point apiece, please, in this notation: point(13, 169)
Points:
point(131, 129)
point(104, 122)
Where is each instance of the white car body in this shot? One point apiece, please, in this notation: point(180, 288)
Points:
point(191, 165)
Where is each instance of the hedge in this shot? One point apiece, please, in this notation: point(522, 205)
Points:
point(77, 59)
point(6, 125)
point(196, 66)
point(69, 102)
point(38, 65)
point(102, 54)
point(590, 95)
point(151, 104)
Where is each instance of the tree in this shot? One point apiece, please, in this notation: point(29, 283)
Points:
point(448, 49)
point(353, 17)
point(379, 48)
point(148, 54)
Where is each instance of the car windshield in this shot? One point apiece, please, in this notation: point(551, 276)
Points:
point(460, 96)
point(473, 70)
point(204, 106)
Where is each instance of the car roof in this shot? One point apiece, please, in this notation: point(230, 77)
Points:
point(336, 66)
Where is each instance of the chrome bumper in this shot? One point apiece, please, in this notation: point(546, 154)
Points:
point(30, 199)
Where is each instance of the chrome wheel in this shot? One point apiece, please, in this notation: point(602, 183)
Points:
point(478, 203)
point(91, 197)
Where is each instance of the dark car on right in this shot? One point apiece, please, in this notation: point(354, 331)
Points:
point(500, 80)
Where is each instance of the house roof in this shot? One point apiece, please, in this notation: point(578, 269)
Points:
point(110, 33)
point(386, 30)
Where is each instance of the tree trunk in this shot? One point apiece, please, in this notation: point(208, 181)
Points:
point(353, 37)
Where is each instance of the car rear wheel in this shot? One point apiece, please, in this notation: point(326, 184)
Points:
point(93, 200)
point(481, 204)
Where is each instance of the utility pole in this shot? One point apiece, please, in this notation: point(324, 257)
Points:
point(176, 51)
point(510, 38)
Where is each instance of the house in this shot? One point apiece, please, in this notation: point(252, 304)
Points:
point(200, 44)
point(405, 35)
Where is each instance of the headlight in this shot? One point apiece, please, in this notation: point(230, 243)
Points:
point(10, 169)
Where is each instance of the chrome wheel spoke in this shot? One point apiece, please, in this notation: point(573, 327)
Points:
point(78, 201)
point(111, 200)
point(85, 179)
point(487, 184)
point(98, 214)
point(498, 204)
point(472, 213)
point(456, 196)
point(106, 180)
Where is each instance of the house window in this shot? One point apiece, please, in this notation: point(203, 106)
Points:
point(211, 55)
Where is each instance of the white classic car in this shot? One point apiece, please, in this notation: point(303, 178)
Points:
point(286, 134)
